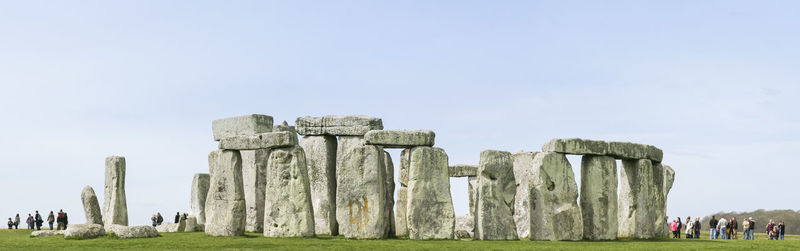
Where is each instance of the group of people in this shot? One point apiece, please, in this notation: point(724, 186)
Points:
point(723, 229)
point(36, 221)
point(157, 219)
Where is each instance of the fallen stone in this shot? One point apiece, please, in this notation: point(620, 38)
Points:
point(44, 233)
point(356, 125)
point(464, 226)
point(127, 232)
point(598, 197)
point(260, 141)
point(576, 146)
point(90, 206)
point(400, 138)
point(245, 125)
point(191, 224)
point(494, 213)
point(254, 176)
point(523, 175)
point(225, 205)
point(288, 207)
point(553, 205)
point(169, 228)
point(321, 159)
point(388, 192)
point(400, 218)
point(472, 188)
point(360, 199)
point(627, 150)
point(463, 170)
point(115, 209)
point(200, 184)
point(84, 231)
point(430, 207)
point(635, 190)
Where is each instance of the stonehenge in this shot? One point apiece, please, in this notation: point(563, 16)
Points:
point(494, 219)
point(552, 198)
point(320, 153)
point(430, 212)
point(225, 205)
point(288, 207)
point(200, 184)
point(598, 199)
point(115, 209)
point(254, 177)
point(91, 207)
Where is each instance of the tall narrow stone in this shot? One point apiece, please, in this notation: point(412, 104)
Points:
point(115, 208)
point(254, 176)
point(321, 159)
point(472, 188)
point(388, 192)
point(200, 184)
point(669, 178)
point(636, 189)
point(360, 198)
point(494, 213)
point(225, 205)
point(553, 202)
point(401, 206)
point(523, 173)
point(289, 212)
point(430, 206)
point(657, 202)
point(90, 206)
point(599, 197)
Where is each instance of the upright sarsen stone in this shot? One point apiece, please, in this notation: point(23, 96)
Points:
point(430, 206)
point(90, 206)
point(225, 205)
point(288, 208)
point(254, 176)
point(115, 208)
point(523, 173)
point(636, 188)
point(668, 180)
point(553, 205)
point(401, 204)
point(388, 191)
point(321, 159)
point(360, 196)
point(200, 184)
point(494, 213)
point(598, 197)
point(472, 189)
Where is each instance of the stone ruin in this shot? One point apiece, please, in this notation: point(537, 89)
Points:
point(338, 180)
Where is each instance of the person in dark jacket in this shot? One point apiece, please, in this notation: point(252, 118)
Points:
point(10, 223)
point(30, 222)
point(781, 229)
point(66, 220)
point(697, 227)
point(50, 219)
point(713, 225)
point(734, 226)
point(38, 220)
point(177, 217)
point(16, 222)
point(680, 226)
point(160, 219)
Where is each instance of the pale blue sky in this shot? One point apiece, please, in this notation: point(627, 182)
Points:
point(713, 83)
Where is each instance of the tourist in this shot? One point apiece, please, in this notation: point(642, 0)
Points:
point(734, 226)
point(160, 219)
point(674, 228)
point(697, 227)
point(29, 221)
point(680, 227)
point(16, 222)
point(154, 219)
point(689, 227)
point(38, 220)
point(10, 223)
point(713, 225)
point(65, 219)
point(781, 228)
point(60, 220)
point(771, 230)
point(752, 228)
point(745, 229)
point(722, 226)
point(177, 217)
point(50, 219)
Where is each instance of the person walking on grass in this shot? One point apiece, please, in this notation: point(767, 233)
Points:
point(674, 228)
point(722, 226)
point(16, 222)
point(154, 219)
point(50, 219)
point(66, 220)
point(29, 221)
point(680, 227)
point(160, 219)
point(39, 221)
point(713, 227)
point(745, 229)
point(781, 229)
point(177, 217)
point(697, 227)
point(734, 226)
point(689, 227)
point(771, 230)
point(10, 223)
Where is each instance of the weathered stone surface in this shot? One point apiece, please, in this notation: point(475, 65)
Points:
point(254, 176)
point(494, 213)
point(356, 125)
point(388, 192)
point(430, 207)
point(400, 138)
point(191, 225)
point(576, 146)
point(115, 208)
point(127, 232)
point(171, 227)
point(360, 199)
point(90, 206)
point(463, 170)
point(464, 226)
point(405, 161)
point(84, 231)
point(321, 160)
point(553, 205)
point(400, 212)
point(44, 233)
point(200, 184)
point(627, 150)
point(669, 179)
point(259, 141)
point(636, 189)
point(598, 197)
point(245, 125)
point(225, 205)
point(523, 173)
point(285, 127)
point(472, 189)
point(288, 207)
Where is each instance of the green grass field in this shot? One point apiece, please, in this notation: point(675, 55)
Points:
point(21, 240)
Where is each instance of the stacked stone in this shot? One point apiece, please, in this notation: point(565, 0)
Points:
point(115, 208)
point(465, 224)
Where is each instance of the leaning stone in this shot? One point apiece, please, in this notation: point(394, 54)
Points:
point(241, 126)
point(636, 189)
point(254, 176)
point(576, 146)
point(463, 170)
point(260, 141)
point(84, 231)
point(225, 205)
point(472, 194)
point(44, 233)
point(627, 150)
point(388, 192)
point(288, 207)
point(523, 173)
point(200, 184)
point(115, 209)
point(553, 205)
point(430, 207)
point(400, 138)
point(356, 125)
point(598, 197)
point(464, 226)
point(400, 218)
point(494, 219)
point(90, 206)
point(321, 160)
point(127, 232)
point(360, 199)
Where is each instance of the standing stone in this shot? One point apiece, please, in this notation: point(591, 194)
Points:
point(669, 179)
point(225, 205)
point(200, 183)
point(494, 213)
point(388, 192)
point(191, 224)
point(254, 176)
point(599, 197)
point(401, 206)
point(321, 159)
point(405, 162)
point(115, 208)
point(430, 207)
point(523, 173)
point(553, 202)
point(360, 198)
point(472, 188)
point(90, 206)
point(289, 212)
point(635, 191)
point(657, 201)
